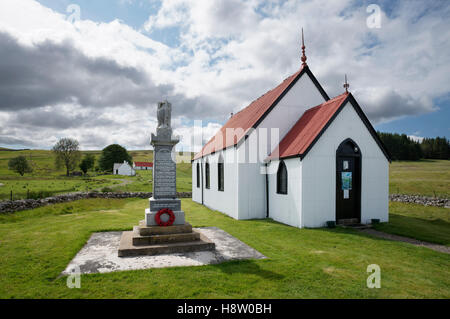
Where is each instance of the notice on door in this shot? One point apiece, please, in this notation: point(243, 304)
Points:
point(346, 180)
point(345, 165)
point(346, 194)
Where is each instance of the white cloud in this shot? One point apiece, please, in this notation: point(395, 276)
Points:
point(232, 51)
point(416, 138)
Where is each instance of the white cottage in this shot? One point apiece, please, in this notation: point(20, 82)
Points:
point(327, 162)
point(123, 169)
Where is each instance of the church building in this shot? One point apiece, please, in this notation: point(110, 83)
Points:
point(327, 164)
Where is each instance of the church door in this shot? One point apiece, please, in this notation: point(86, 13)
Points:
point(348, 183)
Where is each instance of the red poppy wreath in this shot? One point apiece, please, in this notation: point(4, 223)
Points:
point(161, 212)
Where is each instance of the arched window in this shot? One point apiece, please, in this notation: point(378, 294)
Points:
point(220, 173)
point(282, 179)
point(198, 175)
point(207, 175)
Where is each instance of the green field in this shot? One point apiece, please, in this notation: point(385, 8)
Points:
point(50, 181)
point(36, 245)
point(425, 177)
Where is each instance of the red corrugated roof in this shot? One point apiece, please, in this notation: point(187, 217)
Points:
point(307, 128)
point(245, 119)
point(143, 164)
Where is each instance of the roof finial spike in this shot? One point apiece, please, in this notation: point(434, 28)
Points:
point(303, 50)
point(346, 85)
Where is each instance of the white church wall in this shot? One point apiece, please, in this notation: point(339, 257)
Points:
point(319, 172)
point(252, 184)
point(252, 191)
point(245, 184)
point(286, 208)
point(223, 201)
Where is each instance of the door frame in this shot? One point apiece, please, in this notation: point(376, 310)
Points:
point(358, 180)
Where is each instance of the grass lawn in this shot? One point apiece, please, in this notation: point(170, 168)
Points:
point(425, 223)
point(50, 187)
point(425, 177)
point(36, 245)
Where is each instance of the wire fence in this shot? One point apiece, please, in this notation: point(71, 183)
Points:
point(11, 196)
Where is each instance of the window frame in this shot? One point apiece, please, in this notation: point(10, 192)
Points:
point(207, 176)
point(220, 175)
point(198, 174)
point(282, 168)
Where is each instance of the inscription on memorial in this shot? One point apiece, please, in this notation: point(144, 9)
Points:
point(164, 174)
point(173, 204)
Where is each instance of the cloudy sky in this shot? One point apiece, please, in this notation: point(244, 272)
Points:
point(95, 69)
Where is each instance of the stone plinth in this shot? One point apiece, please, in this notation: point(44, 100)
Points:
point(155, 240)
point(157, 230)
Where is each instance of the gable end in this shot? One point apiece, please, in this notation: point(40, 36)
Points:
point(305, 69)
point(365, 120)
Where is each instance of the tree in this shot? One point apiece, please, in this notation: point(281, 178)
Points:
point(436, 148)
point(111, 154)
point(67, 154)
point(19, 165)
point(87, 163)
point(401, 147)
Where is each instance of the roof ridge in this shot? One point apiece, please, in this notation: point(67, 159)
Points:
point(254, 111)
point(265, 93)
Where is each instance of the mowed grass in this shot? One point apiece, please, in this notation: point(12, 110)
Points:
point(425, 223)
point(425, 177)
point(37, 245)
point(46, 178)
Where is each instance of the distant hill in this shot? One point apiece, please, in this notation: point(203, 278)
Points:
point(11, 150)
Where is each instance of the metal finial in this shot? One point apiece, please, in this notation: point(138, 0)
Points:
point(346, 85)
point(303, 50)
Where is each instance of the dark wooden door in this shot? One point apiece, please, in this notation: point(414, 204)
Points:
point(348, 188)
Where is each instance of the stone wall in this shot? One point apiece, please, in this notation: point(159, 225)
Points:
point(421, 200)
point(18, 205)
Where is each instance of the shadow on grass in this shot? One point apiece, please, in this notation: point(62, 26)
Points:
point(248, 267)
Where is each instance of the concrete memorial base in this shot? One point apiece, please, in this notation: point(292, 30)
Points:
point(99, 255)
point(155, 240)
point(150, 217)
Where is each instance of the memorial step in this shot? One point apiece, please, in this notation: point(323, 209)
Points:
point(158, 230)
point(127, 249)
point(139, 240)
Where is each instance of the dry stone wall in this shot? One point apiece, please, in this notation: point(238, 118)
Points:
point(18, 205)
point(421, 200)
